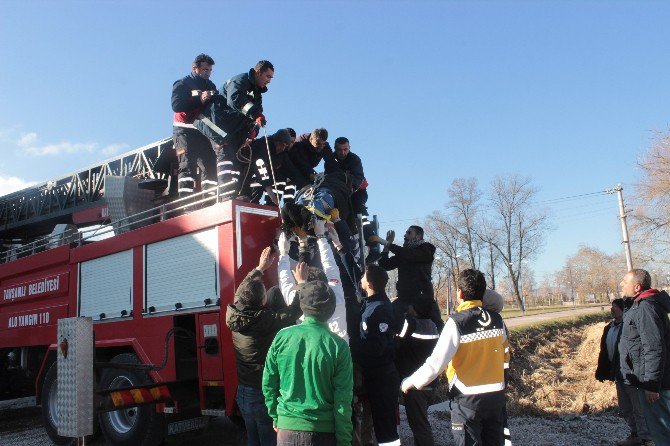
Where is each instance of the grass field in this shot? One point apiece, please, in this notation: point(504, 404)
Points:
point(513, 312)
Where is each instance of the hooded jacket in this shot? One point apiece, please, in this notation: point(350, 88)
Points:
point(253, 329)
point(645, 342)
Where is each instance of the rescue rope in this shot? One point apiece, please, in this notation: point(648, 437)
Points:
point(272, 170)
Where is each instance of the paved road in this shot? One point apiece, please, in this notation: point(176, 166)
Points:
point(524, 320)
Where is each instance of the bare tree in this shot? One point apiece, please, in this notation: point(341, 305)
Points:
point(594, 272)
point(651, 219)
point(519, 225)
point(441, 232)
point(464, 206)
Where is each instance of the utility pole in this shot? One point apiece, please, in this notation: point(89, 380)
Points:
point(624, 227)
point(572, 287)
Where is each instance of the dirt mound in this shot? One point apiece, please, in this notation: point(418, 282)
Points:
point(553, 366)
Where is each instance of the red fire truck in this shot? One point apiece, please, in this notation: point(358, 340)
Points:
point(156, 290)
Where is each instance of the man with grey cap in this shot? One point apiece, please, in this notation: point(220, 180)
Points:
point(308, 375)
point(261, 168)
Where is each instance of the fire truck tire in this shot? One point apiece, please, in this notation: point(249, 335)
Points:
point(49, 414)
point(134, 426)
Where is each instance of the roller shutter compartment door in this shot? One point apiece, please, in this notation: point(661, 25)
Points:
point(106, 286)
point(182, 270)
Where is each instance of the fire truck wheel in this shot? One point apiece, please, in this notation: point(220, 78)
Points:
point(49, 414)
point(133, 426)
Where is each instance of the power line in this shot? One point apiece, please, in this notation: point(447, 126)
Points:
point(552, 200)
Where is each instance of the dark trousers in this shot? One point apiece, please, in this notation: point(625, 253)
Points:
point(416, 406)
point(382, 385)
point(479, 421)
point(194, 151)
point(305, 438)
point(255, 414)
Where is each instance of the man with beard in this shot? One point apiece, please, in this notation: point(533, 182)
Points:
point(414, 261)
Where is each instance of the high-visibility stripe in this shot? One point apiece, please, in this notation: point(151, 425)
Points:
point(390, 443)
point(257, 185)
point(425, 336)
point(404, 330)
point(185, 179)
point(183, 124)
point(223, 163)
point(506, 431)
point(213, 183)
point(185, 189)
point(208, 122)
point(232, 172)
point(247, 107)
point(474, 390)
point(486, 334)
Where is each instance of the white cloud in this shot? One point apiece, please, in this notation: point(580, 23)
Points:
point(114, 148)
point(59, 148)
point(29, 143)
point(9, 184)
point(27, 139)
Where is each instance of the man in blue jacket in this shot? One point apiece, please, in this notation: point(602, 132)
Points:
point(644, 348)
point(190, 96)
point(234, 116)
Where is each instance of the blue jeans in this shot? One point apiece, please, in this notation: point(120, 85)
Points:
point(256, 419)
point(657, 416)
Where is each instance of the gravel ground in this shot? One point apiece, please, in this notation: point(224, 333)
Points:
point(21, 424)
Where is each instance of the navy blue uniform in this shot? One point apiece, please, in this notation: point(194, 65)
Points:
point(375, 353)
point(193, 150)
point(228, 122)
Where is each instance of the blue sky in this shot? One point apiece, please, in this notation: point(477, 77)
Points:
point(569, 93)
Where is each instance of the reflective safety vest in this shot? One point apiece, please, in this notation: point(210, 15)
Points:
point(478, 365)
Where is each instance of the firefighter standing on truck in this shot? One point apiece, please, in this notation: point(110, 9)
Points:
point(235, 116)
point(190, 96)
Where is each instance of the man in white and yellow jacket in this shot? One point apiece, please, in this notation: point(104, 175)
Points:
point(472, 350)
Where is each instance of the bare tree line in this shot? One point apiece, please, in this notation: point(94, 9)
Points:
point(496, 231)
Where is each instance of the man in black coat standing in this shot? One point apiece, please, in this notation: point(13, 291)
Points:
point(644, 350)
point(609, 370)
point(414, 261)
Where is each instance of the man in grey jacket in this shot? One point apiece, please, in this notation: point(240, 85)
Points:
point(644, 348)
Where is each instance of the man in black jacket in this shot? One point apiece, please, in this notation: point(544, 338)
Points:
point(609, 370)
point(374, 351)
point(254, 326)
point(306, 153)
point(344, 160)
point(644, 350)
point(190, 96)
point(414, 261)
point(234, 116)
